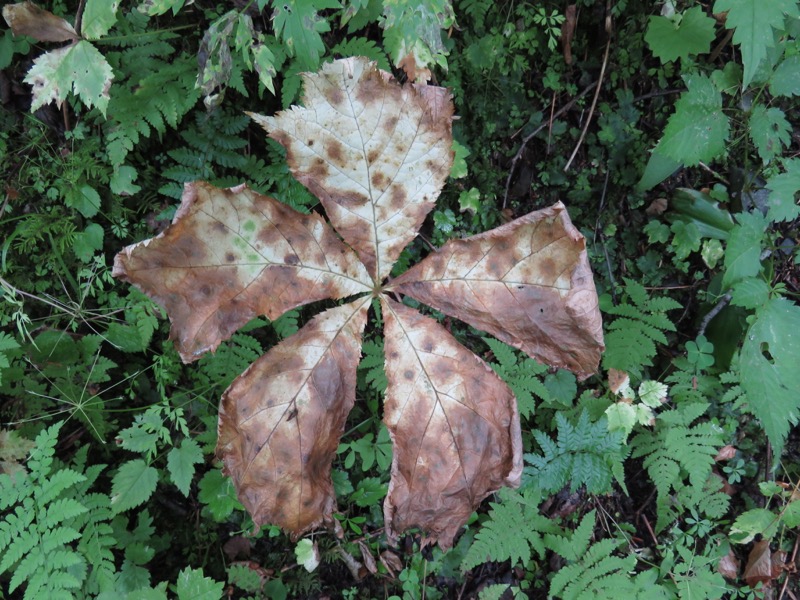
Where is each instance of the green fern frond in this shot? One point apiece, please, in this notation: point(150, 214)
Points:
point(359, 46)
point(585, 454)
point(676, 451)
point(632, 337)
point(231, 358)
point(521, 374)
point(501, 538)
point(372, 365)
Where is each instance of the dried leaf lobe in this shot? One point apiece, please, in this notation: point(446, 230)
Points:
point(454, 425)
point(233, 254)
point(281, 420)
point(528, 283)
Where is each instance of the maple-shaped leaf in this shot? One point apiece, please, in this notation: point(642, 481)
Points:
point(376, 154)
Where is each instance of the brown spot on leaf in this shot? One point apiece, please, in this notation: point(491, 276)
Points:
point(334, 150)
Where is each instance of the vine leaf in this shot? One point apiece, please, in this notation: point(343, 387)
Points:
point(528, 283)
point(450, 418)
point(377, 155)
point(233, 254)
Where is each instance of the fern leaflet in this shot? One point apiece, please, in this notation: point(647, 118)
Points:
point(521, 375)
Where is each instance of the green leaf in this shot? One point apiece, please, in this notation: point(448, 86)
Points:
point(216, 491)
point(299, 26)
point(670, 40)
point(193, 585)
point(98, 17)
point(750, 293)
point(758, 521)
point(181, 462)
point(6, 343)
point(133, 484)
point(770, 131)
point(783, 187)
point(562, 386)
point(84, 199)
point(743, 252)
point(658, 168)
point(122, 181)
point(754, 21)
point(785, 81)
point(698, 130)
point(653, 393)
point(769, 371)
point(414, 30)
point(459, 168)
point(78, 67)
point(621, 415)
point(264, 64)
point(469, 200)
point(307, 554)
point(87, 242)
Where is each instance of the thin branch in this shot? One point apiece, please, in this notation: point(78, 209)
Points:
point(538, 130)
point(591, 109)
point(723, 302)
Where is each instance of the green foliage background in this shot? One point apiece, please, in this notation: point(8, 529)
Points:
point(671, 133)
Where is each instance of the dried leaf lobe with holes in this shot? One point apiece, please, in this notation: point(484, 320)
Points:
point(527, 282)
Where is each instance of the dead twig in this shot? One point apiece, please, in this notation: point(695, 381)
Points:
point(538, 130)
point(592, 107)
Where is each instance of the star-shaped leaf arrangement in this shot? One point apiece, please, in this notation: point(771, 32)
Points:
point(377, 155)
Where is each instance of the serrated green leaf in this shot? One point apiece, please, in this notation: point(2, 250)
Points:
point(193, 585)
point(743, 252)
point(299, 25)
point(133, 485)
point(87, 242)
point(769, 373)
point(122, 181)
point(307, 554)
point(653, 393)
point(753, 21)
point(698, 130)
point(770, 131)
point(670, 41)
point(181, 462)
point(562, 386)
point(98, 17)
point(750, 293)
point(785, 81)
point(622, 416)
point(783, 187)
point(216, 491)
point(84, 199)
point(79, 68)
point(469, 200)
point(758, 521)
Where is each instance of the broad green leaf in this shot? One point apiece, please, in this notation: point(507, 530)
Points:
point(264, 63)
point(699, 208)
point(469, 200)
point(87, 242)
point(754, 21)
point(658, 168)
point(770, 131)
point(743, 252)
point(698, 130)
point(159, 7)
point(769, 368)
point(785, 81)
point(686, 238)
point(299, 26)
point(122, 181)
point(562, 386)
point(460, 154)
point(307, 554)
point(79, 68)
point(84, 199)
point(750, 293)
point(218, 494)
point(671, 39)
point(621, 415)
point(755, 522)
point(791, 514)
point(783, 188)
point(132, 485)
point(193, 585)
point(653, 393)
point(98, 17)
point(181, 461)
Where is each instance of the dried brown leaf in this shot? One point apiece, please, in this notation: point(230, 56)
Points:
point(454, 425)
point(527, 282)
point(281, 420)
point(233, 254)
point(26, 18)
point(375, 153)
point(759, 564)
point(728, 566)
